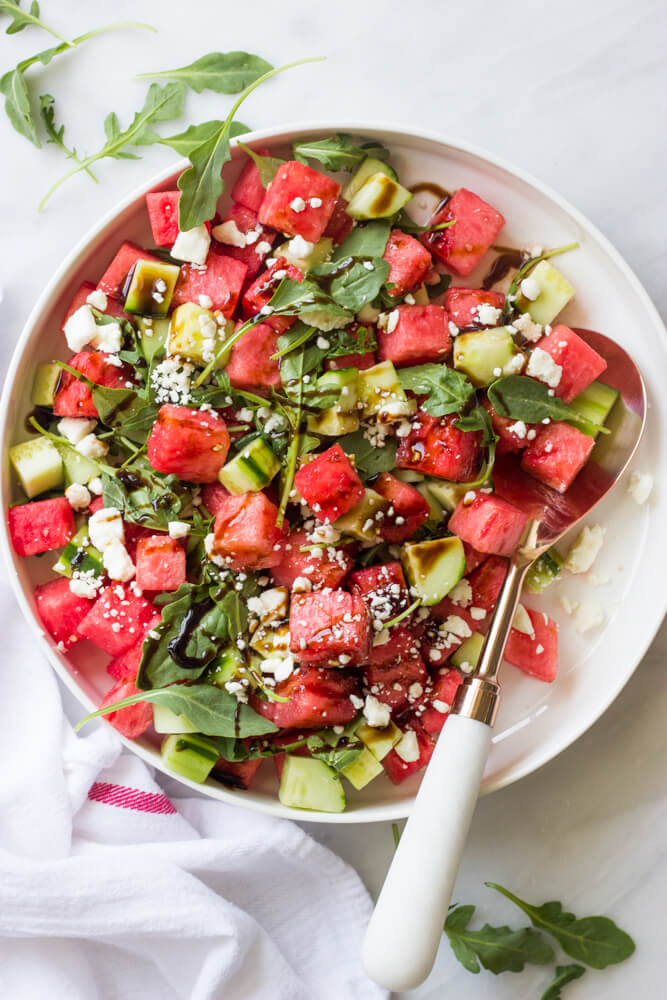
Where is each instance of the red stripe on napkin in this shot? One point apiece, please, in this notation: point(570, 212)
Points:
point(130, 798)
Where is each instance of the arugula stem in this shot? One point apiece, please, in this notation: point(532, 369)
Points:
point(80, 39)
point(224, 347)
point(306, 335)
point(63, 442)
point(403, 614)
point(292, 454)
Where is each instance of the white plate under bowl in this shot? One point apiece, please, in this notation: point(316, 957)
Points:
point(536, 720)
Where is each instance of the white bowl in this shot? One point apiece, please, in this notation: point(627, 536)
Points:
point(536, 721)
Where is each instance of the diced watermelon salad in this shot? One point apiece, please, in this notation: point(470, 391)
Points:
point(263, 472)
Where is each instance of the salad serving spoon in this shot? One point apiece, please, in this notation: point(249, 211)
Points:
point(406, 928)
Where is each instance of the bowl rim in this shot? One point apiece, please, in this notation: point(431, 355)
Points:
point(365, 813)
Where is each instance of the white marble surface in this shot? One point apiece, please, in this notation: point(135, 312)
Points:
point(573, 92)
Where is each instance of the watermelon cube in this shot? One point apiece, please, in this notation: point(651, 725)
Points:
point(383, 589)
point(473, 557)
point(512, 434)
point(557, 455)
point(114, 308)
point(73, 398)
point(126, 665)
point(299, 201)
point(316, 698)
point(581, 364)
point(213, 496)
point(359, 361)
point(330, 627)
point(236, 774)
point(133, 720)
point(160, 563)
point(162, 209)
point(340, 224)
point(440, 700)
point(246, 535)
point(407, 508)
point(40, 526)
point(486, 582)
point(398, 769)
point(248, 189)
point(404, 645)
point(191, 444)
point(221, 279)
point(326, 570)
point(399, 684)
point(61, 611)
point(436, 447)
point(463, 306)
point(461, 246)
point(250, 364)
point(408, 262)
point(535, 654)
point(117, 619)
point(489, 523)
point(261, 291)
point(421, 334)
point(113, 280)
point(258, 245)
point(329, 484)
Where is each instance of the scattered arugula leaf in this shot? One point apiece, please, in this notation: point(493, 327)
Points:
point(448, 390)
point(211, 709)
point(595, 941)
point(369, 240)
point(267, 165)
point(201, 184)
point(161, 104)
point(498, 949)
point(339, 152)
point(22, 19)
point(57, 135)
point(17, 105)
point(524, 398)
point(184, 142)
point(564, 974)
point(369, 460)
point(221, 72)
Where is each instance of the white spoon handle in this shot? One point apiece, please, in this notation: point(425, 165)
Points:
point(404, 933)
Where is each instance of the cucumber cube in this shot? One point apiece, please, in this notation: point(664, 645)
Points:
point(343, 382)
point(435, 515)
point(468, 653)
point(153, 334)
point(76, 555)
point(379, 197)
point(595, 403)
point(78, 468)
point(483, 354)
point(294, 254)
point(272, 643)
point(367, 169)
point(307, 783)
point(333, 423)
point(362, 521)
point(166, 721)
point(191, 756)
point(447, 494)
point(555, 292)
point(362, 770)
point(432, 568)
point(379, 741)
point(195, 335)
point(251, 470)
point(38, 466)
point(382, 394)
point(151, 287)
point(229, 665)
point(45, 384)
point(544, 571)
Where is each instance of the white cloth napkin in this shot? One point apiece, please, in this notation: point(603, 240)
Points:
point(109, 890)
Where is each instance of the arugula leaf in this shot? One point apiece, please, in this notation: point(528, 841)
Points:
point(448, 390)
point(369, 240)
point(498, 949)
point(338, 152)
point(291, 295)
point(353, 284)
point(295, 365)
point(267, 165)
point(161, 104)
point(143, 495)
point(369, 460)
point(211, 709)
point(344, 342)
point(22, 19)
point(524, 398)
point(435, 291)
point(17, 105)
point(57, 135)
point(201, 184)
point(222, 72)
point(479, 419)
point(195, 135)
point(595, 941)
point(564, 974)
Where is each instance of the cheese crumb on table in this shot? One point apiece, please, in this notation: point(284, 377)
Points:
point(640, 486)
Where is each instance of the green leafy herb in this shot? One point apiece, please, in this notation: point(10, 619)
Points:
point(290, 295)
point(344, 342)
point(201, 184)
point(353, 284)
point(369, 460)
point(564, 974)
point(338, 152)
point(435, 291)
point(479, 419)
point(293, 451)
point(195, 135)
point(222, 72)
point(294, 365)
point(294, 338)
point(448, 390)
point(211, 709)
point(22, 19)
point(524, 398)
point(57, 135)
point(595, 941)
point(145, 496)
point(267, 165)
point(498, 949)
point(369, 240)
point(161, 104)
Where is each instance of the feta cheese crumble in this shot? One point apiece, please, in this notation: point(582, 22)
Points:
point(376, 713)
point(92, 447)
point(297, 204)
point(117, 561)
point(105, 526)
point(77, 496)
point(80, 329)
point(407, 747)
point(530, 288)
point(230, 234)
point(488, 314)
point(543, 367)
point(192, 245)
point(75, 429)
point(587, 616)
point(178, 529)
point(585, 550)
point(97, 299)
point(640, 486)
point(298, 247)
